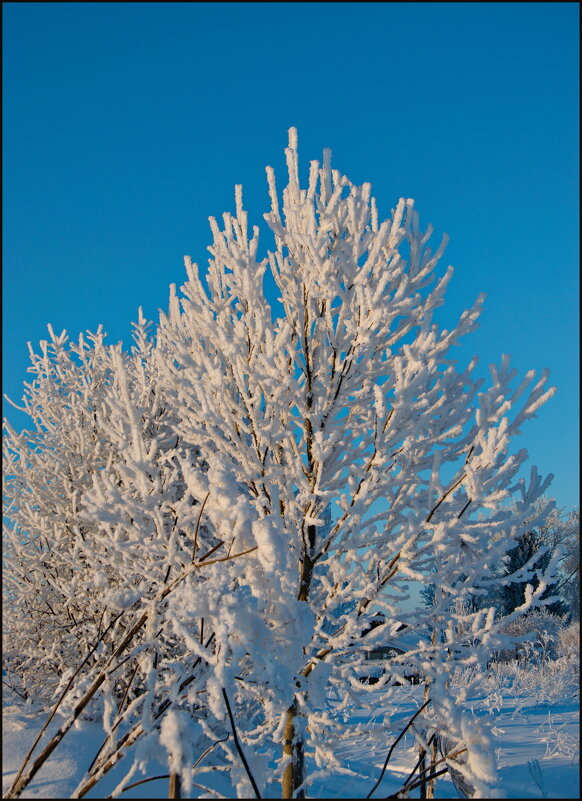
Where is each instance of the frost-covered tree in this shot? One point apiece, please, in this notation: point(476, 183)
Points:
point(326, 444)
point(348, 397)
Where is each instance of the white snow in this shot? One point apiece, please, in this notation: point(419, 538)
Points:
point(526, 734)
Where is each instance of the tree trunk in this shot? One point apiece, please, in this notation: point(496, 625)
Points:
point(430, 785)
point(175, 788)
point(293, 775)
point(427, 789)
point(293, 748)
point(422, 768)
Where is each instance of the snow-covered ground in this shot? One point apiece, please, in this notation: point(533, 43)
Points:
point(537, 747)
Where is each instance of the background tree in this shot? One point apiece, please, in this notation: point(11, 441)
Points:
point(512, 594)
point(561, 530)
point(557, 535)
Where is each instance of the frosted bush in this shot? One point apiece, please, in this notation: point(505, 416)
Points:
point(568, 646)
point(541, 674)
point(535, 634)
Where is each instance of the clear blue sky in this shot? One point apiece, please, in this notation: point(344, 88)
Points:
point(127, 125)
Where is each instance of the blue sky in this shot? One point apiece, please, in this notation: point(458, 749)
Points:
point(127, 125)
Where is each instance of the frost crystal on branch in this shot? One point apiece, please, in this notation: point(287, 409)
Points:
point(335, 450)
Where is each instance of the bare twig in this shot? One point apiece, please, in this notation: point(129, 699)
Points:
point(143, 781)
point(211, 551)
point(446, 758)
point(153, 779)
point(395, 743)
point(209, 749)
point(238, 746)
point(406, 786)
point(418, 783)
point(14, 690)
point(226, 558)
point(444, 496)
point(119, 664)
point(419, 762)
point(198, 526)
point(566, 580)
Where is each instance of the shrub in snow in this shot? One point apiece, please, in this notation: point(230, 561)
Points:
point(569, 641)
point(537, 680)
point(536, 635)
point(192, 503)
point(544, 662)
